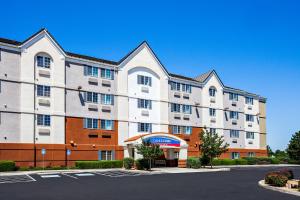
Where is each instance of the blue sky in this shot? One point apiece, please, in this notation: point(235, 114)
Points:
point(253, 45)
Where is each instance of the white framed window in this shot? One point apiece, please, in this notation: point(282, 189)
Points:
point(107, 99)
point(175, 107)
point(250, 135)
point(175, 86)
point(213, 130)
point(175, 129)
point(251, 154)
point(212, 112)
point(43, 91)
point(145, 127)
point(187, 130)
point(234, 115)
point(249, 100)
point(212, 91)
point(249, 118)
point(90, 123)
point(234, 134)
point(144, 80)
point(91, 97)
point(187, 109)
point(107, 124)
point(43, 61)
point(106, 155)
point(107, 73)
point(43, 120)
point(235, 155)
point(144, 103)
point(91, 71)
point(233, 96)
point(187, 88)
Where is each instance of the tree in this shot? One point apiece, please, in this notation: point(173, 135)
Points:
point(269, 151)
point(149, 151)
point(212, 145)
point(293, 149)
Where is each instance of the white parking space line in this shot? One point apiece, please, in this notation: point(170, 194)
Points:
point(68, 175)
point(51, 176)
point(16, 179)
point(85, 174)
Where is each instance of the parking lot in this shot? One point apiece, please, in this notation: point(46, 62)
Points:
point(240, 183)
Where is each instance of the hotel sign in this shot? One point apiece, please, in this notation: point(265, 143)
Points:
point(164, 141)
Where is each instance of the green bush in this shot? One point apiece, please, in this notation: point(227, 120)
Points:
point(216, 161)
point(241, 161)
point(251, 160)
point(204, 160)
point(193, 162)
point(227, 161)
point(101, 164)
point(276, 179)
point(7, 165)
point(142, 164)
point(128, 163)
point(287, 172)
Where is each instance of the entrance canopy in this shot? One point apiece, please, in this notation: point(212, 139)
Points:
point(165, 140)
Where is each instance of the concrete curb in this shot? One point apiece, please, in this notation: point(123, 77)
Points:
point(278, 189)
point(258, 166)
point(155, 171)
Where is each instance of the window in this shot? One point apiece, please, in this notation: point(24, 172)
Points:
point(212, 92)
point(43, 61)
point(106, 155)
point(251, 154)
point(175, 107)
point(43, 91)
point(235, 155)
point(175, 86)
point(186, 88)
point(107, 124)
point(175, 129)
point(187, 130)
point(91, 97)
point(249, 100)
point(250, 135)
point(187, 109)
point(107, 99)
point(107, 73)
point(249, 118)
point(234, 134)
point(90, 123)
point(212, 112)
point(213, 130)
point(43, 120)
point(234, 115)
point(233, 97)
point(144, 80)
point(91, 71)
point(144, 103)
point(144, 127)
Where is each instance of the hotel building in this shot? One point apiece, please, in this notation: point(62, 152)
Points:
point(99, 109)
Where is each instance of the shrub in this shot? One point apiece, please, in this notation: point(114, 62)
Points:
point(142, 164)
point(251, 160)
point(204, 160)
point(216, 161)
point(128, 163)
point(276, 179)
point(101, 164)
point(7, 165)
point(241, 161)
point(193, 162)
point(227, 161)
point(287, 172)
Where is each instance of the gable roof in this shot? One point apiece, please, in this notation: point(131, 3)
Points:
point(202, 77)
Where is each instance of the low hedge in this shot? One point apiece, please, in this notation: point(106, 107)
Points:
point(128, 163)
point(261, 160)
point(101, 164)
point(276, 179)
point(7, 165)
point(193, 162)
point(142, 164)
point(225, 161)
